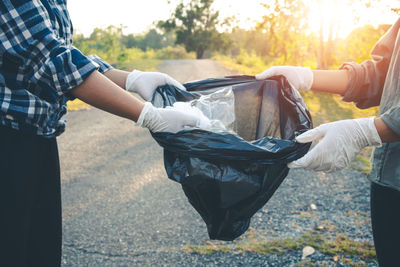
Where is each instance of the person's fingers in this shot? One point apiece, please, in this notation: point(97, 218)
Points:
point(294, 165)
point(311, 160)
point(303, 162)
point(311, 135)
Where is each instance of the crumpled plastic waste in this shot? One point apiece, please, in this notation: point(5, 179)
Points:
point(186, 107)
point(216, 110)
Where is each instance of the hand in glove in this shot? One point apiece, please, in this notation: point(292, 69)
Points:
point(145, 83)
point(301, 78)
point(165, 119)
point(341, 142)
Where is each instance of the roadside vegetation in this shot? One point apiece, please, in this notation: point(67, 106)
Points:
point(341, 249)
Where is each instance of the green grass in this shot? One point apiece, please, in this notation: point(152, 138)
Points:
point(140, 64)
point(326, 107)
point(341, 248)
point(232, 65)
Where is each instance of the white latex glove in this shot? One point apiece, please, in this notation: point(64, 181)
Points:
point(341, 142)
point(166, 119)
point(301, 78)
point(145, 83)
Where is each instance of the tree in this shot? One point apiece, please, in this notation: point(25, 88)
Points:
point(285, 22)
point(195, 26)
point(106, 43)
point(331, 25)
point(359, 43)
point(249, 40)
point(153, 39)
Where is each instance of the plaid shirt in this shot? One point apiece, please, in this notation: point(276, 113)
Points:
point(39, 65)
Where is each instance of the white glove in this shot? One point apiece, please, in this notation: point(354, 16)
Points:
point(342, 141)
point(301, 78)
point(166, 119)
point(145, 83)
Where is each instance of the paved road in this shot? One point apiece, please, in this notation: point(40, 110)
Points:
point(120, 209)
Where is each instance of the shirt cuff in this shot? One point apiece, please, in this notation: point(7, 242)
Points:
point(85, 65)
point(69, 69)
point(66, 71)
point(353, 69)
point(103, 66)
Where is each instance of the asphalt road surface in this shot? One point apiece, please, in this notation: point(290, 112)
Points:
point(120, 209)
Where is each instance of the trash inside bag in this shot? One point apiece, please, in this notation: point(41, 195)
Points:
point(216, 110)
point(229, 169)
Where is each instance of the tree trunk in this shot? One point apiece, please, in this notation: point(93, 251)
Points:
point(199, 52)
point(321, 52)
point(329, 50)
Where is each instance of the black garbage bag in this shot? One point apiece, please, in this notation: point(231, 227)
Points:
point(229, 176)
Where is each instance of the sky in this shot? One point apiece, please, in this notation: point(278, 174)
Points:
point(138, 16)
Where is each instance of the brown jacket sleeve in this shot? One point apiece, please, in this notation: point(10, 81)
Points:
point(367, 79)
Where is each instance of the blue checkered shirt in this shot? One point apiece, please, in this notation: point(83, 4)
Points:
point(39, 65)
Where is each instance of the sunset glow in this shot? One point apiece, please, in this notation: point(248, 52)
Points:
point(138, 16)
point(343, 18)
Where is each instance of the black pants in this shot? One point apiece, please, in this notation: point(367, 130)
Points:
point(30, 200)
point(385, 215)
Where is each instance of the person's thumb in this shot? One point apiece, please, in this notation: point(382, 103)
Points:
point(311, 135)
point(306, 160)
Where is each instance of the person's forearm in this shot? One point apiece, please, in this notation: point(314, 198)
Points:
point(117, 76)
point(99, 91)
point(336, 82)
point(330, 81)
point(385, 133)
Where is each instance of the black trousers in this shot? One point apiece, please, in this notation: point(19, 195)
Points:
point(30, 200)
point(385, 217)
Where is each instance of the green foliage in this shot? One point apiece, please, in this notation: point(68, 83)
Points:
point(256, 41)
point(174, 52)
point(140, 64)
point(195, 25)
point(250, 60)
point(358, 45)
point(106, 43)
point(244, 63)
point(285, 23)
point(153, 39)
point(125, 51)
